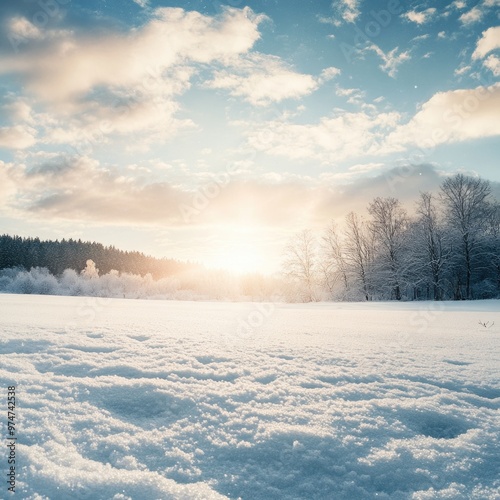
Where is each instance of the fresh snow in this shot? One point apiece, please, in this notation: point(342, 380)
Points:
point(130, 399)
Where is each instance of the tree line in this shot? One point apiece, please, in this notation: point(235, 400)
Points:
point(448, 249)
point(57, 256)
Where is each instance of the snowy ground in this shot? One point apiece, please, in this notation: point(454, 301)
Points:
point(121, 399)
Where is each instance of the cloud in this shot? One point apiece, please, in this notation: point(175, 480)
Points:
point(347, 135)
point(119, 83)
point(421, 37)
point(78, 188)
point(142, 3)
point(7, 186)
point(261, 79)
point(472, 16)
point(390, 60)
point(348, 9)
point(452, 116)
point(345, 10)
point(20, 27)
point(328, 74)
point(81, 190)
point(493, 64)
point(353, 96)
point(72, 66)
point(478, 12)
point(421, 17)
point(17, 137)
point(489, 41)
point(462, 70)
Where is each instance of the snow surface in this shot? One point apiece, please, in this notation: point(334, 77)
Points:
point(131, 399)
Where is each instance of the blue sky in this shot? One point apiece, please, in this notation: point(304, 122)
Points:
point(212, 131)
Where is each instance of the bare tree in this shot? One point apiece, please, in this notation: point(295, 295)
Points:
point(333, 263)
point(389, 223)
point(359, 252)
point(493, 242)
point(433, 241)
point(466, 202)
point(300, 266)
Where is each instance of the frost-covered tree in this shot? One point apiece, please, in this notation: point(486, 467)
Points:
point(333, 263)
point(359, 253)
point(429, 246)
point(389, 222)
point(300, 264)
point(492, 248)
point(465, 200)
point(90, 270)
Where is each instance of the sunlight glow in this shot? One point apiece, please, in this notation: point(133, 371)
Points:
point(239, 258)
point(240, 252)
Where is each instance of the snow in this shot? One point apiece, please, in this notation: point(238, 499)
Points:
point(134, 399)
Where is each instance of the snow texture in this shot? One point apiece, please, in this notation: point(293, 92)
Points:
point(122, 399)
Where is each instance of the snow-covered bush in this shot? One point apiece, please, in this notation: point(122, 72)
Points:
point(203, 285)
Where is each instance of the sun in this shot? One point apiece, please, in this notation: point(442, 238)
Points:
point(239, 258)
point(238, 250)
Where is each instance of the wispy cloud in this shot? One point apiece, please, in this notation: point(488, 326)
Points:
point(420, 17)
point(331, 140)
point(262, 79)
point(472, 16)
point(81, 190)
point(390, 60)
point(462, 70)
point(493, 64)
point(477, 13)
point(348, 10)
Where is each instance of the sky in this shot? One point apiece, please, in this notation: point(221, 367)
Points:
point(213, 131)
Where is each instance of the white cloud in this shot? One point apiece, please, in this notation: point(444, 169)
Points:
point(493, 64)
point(348, 10)
point(347, 135)
point(21, 31)
point(262, 79)
point(462, 70)
point(329, 74)
point(391, 60)
point(18, 111)
point(472, 16)
point(478, 12)
point(142, 3)
point(452, 116)
point(489, 41)
point(459, 4)
point(71, 66)
point(353, 96)
point(421, 17)
point(122, 82)
point(19, 26)
point(17, 137)
point(330, 20)
point(420, 38)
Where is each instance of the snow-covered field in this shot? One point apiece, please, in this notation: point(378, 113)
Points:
point(121, 399)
